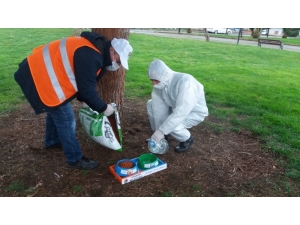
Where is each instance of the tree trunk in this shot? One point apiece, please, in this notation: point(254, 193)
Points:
point(112, 85)
point(206, 34)
point(255, 33)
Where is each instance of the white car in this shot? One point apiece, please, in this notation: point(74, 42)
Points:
point(219, 30)
point(263, 32)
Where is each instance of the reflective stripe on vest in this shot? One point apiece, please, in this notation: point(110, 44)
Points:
point(52, 69)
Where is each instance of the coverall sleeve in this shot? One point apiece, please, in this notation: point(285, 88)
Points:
point(186, 100)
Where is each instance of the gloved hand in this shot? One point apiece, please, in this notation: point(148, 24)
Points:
point(157, 135)
point(109, 110)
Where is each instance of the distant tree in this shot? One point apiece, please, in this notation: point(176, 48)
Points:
point(285, 32)
point(189, 30)
point(290, 32)
point(251, 31)
point(206, 34)
point(179, 30)
point(241, 32)
point(255, 32)
point(294, 32)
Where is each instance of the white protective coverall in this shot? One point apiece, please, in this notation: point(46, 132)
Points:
point(178, 104)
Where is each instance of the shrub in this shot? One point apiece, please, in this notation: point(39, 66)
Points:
point(292, 32)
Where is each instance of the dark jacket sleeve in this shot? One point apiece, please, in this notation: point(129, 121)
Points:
point(87, 62)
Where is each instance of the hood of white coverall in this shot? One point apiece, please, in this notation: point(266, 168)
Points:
point(158, 70)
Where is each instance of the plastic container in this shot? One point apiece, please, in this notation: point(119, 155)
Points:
point(147, 161)
point(126, 167)
point(158, 148)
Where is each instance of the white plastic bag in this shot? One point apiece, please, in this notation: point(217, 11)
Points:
point(102, 129)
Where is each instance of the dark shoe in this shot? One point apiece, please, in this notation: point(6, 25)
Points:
point(58, 145)
point(166, 137)
point(84, 164)
point(184, 146)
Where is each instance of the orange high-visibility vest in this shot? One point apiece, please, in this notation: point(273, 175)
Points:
point(52, 69)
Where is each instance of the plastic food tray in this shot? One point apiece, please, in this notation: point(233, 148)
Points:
point(140, 173)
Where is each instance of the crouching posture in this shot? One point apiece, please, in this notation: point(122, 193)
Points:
point(178, 103)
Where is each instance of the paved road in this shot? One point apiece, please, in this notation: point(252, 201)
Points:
point(224, 40)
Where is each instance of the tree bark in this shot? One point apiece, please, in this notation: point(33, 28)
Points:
point(206, 34)
point(112, 85)
point(255, 33)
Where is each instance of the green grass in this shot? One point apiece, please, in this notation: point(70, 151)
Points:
point(166, 194)
point(256, 89)
point(78, 188)
point(15, 45)
point(16, 186)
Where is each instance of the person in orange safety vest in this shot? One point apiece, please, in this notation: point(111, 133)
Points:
point(62, 70)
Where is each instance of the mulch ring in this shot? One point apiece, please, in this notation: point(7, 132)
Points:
point(218, 164)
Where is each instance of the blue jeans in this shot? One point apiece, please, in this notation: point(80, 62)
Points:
point(61, 128)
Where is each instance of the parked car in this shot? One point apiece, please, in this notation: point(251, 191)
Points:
point(263, 32)
point(219, 30)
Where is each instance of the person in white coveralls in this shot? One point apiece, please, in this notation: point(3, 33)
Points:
point(178, 103)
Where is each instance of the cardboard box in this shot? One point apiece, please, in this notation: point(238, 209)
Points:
point(140, 173)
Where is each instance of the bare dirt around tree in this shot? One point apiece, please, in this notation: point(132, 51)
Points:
point(223, 163)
